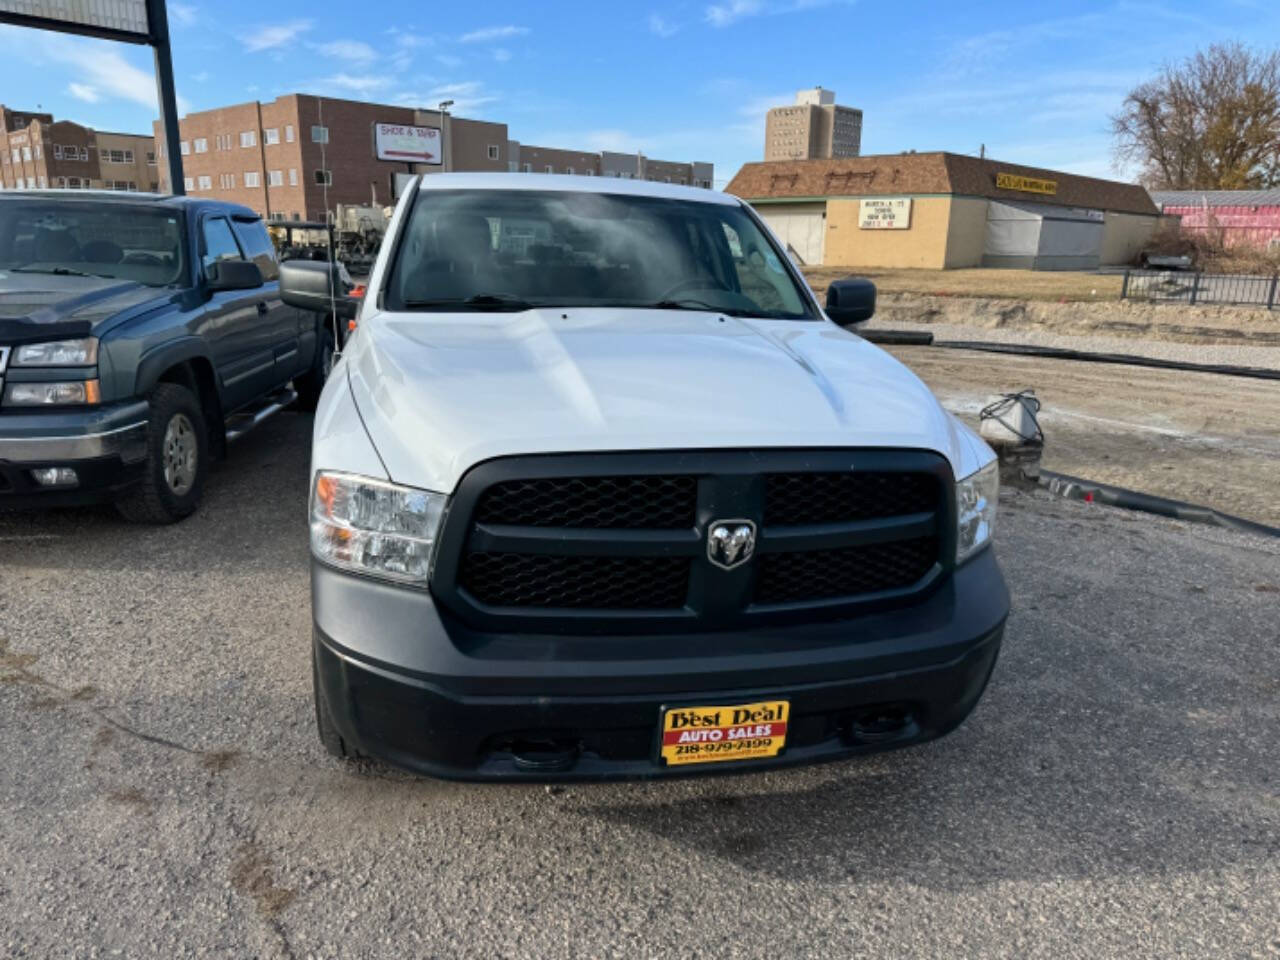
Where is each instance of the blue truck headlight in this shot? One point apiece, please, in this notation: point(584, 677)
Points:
point(976, 497)
point(374, 527)
point(58, 353)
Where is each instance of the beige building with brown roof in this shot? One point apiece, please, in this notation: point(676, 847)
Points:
point(946, 210)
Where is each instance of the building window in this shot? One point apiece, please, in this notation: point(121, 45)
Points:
point(252, 178)
point(548, 169)
point(493, 151)
point(589, 172)
point(248, 138)
point(288, 133)
point(275, 178)
point(319, 134)
point(26, 154)
point(205, 183)
point(57, 151)
point(17, 155)
point(200, 145)
point(528, 168)
point(31, 183)
point(84, 155)
point(293, 176)
point(126, 156)
point(37, 151)
point(187, 182)
point(568, 170)
point(43, 183)
point(151, 158)
point(324, 178)
point(227, 181)
point(271, 136)
point(184, 148)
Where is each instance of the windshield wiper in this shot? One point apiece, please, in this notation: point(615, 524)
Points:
point(691, 303)
point(56, 271)
point(499, 301)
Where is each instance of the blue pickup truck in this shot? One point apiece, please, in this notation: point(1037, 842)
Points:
point(138, 335)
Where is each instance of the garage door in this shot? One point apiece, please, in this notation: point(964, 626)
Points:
point(801, 227)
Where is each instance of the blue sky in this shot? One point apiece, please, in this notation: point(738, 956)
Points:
point(678, 80)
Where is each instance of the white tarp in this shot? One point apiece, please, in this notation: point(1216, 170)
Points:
point(1042, 236)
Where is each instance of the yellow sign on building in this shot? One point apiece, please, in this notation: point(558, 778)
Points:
point(1013, 181)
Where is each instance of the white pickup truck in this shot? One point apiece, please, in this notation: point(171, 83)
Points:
point(600, 490)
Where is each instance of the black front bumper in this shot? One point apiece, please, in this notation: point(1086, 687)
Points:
point(406, 682)
point(106, 446)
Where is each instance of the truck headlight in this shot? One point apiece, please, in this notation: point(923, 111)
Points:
point(58, 353)
point(976, 497)
point(374, 527)
point(53, 394)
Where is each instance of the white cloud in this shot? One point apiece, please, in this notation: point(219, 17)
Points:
point(363, 83)
point(661, 26)
point(274, 35)
point(492, 33)
point(502, 55)
point(200, 77)
point(411, 41)
point(468, 97)
point(183, 14)
point(723, 14)
point(353, 50)
point(82, 91)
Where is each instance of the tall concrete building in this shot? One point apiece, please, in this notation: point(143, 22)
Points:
point(814, 128)
point(40, 153)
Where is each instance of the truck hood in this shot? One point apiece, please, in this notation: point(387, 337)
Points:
point(67, 306)
point(439, 393)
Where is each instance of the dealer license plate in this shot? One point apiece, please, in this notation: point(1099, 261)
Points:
point(745, 731)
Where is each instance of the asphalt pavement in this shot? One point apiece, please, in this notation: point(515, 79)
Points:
point(162, 793)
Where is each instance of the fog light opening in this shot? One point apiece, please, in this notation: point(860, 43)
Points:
point(55, 477)
point(545, 756)
point(877, 724)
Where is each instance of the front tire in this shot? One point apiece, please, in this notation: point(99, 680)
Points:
point(177, 459)
point(330, 738)
point(312, 382)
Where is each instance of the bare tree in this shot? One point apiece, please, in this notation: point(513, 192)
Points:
point(1210, 122)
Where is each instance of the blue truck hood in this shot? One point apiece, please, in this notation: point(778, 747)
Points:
point(37, 306)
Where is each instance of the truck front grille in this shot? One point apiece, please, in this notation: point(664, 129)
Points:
point(570, 542)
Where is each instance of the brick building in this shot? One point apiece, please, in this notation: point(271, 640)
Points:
point(38, 153)
point(278, 157)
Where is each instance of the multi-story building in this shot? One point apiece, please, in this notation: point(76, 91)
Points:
point(814, 128)
point(298, 156)
point(38, 152)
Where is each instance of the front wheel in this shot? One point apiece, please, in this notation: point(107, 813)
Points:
point(312, 382)
point(177, 459)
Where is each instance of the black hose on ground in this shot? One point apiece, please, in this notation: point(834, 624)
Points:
point(1061, 353)
point(1075, 488)
point(901, 338)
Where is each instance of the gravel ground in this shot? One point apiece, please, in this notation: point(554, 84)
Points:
point(1199, 437)
point(1115, 794)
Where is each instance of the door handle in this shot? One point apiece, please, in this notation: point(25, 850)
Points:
point(262, 307)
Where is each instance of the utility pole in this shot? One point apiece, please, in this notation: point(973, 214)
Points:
point(158, 20)
point(444, 142)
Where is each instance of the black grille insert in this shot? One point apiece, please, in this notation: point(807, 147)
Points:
point(623, 503)
point(792, 499)
point(601, 583)
point(847, 572)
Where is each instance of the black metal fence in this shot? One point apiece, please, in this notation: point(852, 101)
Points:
point(1175, 286)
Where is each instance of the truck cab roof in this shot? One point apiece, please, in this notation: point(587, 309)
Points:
point(133, 198)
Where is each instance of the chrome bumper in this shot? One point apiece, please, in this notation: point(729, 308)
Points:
point(48, 436)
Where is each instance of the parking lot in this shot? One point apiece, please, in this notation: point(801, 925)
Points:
point(1114, 794)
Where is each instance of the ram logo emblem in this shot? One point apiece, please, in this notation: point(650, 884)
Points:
point(730, 543)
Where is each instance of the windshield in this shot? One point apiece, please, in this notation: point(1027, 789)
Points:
point(515, 249)
point(115, 240)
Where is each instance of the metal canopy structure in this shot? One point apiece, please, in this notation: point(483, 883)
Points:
point(127, 21)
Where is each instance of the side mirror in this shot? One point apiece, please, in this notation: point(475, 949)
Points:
point(851, 301)
point(316, 286)
point(233, 275)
